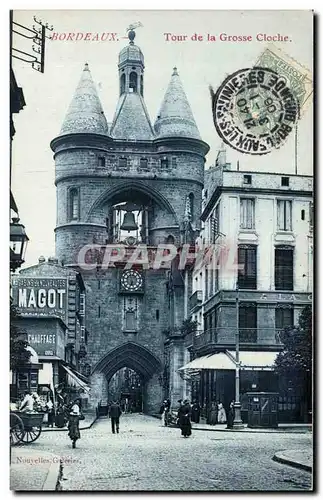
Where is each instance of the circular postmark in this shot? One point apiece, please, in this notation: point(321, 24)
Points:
point(254, 110)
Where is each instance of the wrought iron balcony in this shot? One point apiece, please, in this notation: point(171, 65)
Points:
point(201, 338)
point(195, 300)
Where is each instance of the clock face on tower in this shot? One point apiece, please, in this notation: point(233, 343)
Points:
point(131, 281)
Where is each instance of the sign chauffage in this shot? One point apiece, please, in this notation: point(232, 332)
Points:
point(40, 296)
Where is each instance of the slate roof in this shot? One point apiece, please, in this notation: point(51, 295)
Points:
point(131, 120)
point(175, 117)
point(85, 113)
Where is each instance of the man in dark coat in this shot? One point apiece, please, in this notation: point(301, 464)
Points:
point(115, 412)
point(184, 417)
point(230, 416)
point(196, 411)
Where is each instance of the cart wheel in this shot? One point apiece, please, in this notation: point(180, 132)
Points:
point(17, 430)
point(31, 434)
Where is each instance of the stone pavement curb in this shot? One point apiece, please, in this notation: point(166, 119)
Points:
point(282, 458)
point(256, 431)
point(86, 425)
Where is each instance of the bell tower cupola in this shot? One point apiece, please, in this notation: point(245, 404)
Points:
point(131, 68)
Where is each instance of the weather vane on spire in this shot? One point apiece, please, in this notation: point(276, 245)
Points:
point(133, 26)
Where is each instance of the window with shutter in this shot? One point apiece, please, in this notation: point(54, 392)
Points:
point(248, 323)
point(284, 215)
point(247, 213)
point(284, 268)
point(247, 271)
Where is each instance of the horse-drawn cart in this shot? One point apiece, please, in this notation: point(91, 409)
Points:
point(25, 427)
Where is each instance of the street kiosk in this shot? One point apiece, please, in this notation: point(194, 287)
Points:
point(262, 409)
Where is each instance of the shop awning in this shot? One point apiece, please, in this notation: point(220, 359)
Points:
point(45, 375)
point(249, 360)
point(218, 361)
point(74, 381)
point(256, 360)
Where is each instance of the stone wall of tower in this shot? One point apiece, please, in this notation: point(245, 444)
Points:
point(105, 307)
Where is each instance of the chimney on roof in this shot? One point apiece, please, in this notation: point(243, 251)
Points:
point(41, 260)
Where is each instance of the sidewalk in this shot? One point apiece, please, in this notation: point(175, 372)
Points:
point(202, 426)
point(87, 423)
point(34, 470)
point(301, 459)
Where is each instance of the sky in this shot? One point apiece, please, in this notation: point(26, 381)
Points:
point(199, 63)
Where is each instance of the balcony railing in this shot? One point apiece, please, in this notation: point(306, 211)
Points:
point(201, 338)
point(195, 300)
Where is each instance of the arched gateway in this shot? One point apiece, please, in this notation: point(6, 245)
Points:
point(139, 359)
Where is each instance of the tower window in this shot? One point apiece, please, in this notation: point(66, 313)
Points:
point(303, 214)
point(123, 162)
point(285, 181)
point(143, 163)
point(101, 161)
point(142, 85)
point(157, 314)
point(73, 204)
point(164, 162)
point(191, 205)
point(133, 81)
point(122, 84)
point(247, 179)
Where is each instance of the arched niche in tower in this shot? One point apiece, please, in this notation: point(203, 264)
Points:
point(133, 81)
point(142, 85)
point(122, 84)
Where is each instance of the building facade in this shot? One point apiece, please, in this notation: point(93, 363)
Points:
point(260, 279)
point(51, 304)
point(130, 185)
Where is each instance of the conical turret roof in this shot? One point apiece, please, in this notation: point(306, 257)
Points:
point(175, 117)
point(85, 113)
point(131, 120)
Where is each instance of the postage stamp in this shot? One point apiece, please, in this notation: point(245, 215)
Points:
point(296, 75)
point(254, 110)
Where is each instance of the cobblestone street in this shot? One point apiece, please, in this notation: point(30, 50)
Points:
point(147, 456)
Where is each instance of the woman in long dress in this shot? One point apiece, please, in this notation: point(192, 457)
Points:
point(184, 417)
point(222, 417)
point(74, 423)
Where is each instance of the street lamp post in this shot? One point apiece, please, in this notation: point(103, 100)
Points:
point(237, 423)
point(18, 244)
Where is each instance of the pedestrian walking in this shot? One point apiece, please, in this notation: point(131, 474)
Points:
point(166, 410)
point(115, 412)
point(196, 412)
point(184, 418)
point(50, 412)
point(213, 418)
point(74, 422)
point(230, 417)
point(222, 417)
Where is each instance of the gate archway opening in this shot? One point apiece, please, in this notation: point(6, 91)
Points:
point(127, 387)
point(141, 362)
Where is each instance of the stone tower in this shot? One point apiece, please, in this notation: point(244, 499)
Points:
point(132, 184)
